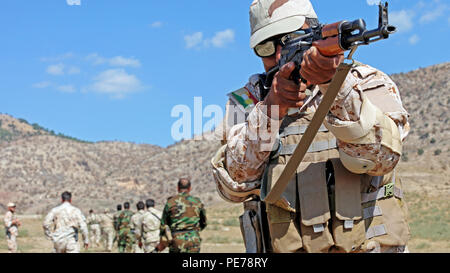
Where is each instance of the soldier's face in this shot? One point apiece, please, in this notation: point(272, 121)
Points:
point(272, 61)
point(12, 209)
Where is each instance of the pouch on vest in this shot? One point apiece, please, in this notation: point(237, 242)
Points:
point(347, 224)
point(388, 225)
point(284, 234)
point(272, 173)
point(314, 207)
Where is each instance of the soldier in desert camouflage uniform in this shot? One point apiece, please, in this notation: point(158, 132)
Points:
point(107, 229)
point(136, 223)
point(11, 227)
point(186, 216)
point(345, 196)
point(61, 225)
point(151, 222)
point(125, 236)
point(93, 221)
point(116, 223)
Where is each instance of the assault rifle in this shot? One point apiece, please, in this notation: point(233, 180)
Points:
point(330, 40)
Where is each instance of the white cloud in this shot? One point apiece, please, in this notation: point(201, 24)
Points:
point(219, 40)
point(66, 88)
point(95, 59)
point(156, 24)
point(73, 2)
point(432, 15)
point(193, 40)
point(73, 70)
point(403, 19)
point(58, 58)
point(115, 82)
point(41, 85)
point(373, 2)
point(56, 69)
point(414, 39)
point(121, 61)
point(222, 38)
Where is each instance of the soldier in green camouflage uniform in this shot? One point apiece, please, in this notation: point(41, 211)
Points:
point(125, 236)
point(186, 216)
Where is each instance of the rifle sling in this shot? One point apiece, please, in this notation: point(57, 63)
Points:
point(306, 140)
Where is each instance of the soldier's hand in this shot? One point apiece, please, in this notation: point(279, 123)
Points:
point(86, 246)
point(317, 68)
point(160, 247)
point(284, 92)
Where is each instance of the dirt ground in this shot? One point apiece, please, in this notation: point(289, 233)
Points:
point(428, 203)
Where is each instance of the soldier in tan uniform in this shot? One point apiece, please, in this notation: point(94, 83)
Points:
point(345, 195)
point(61, 225)
point(11, 227)
point(107, 229)
point(150, 227)
point(93, 222)
point(136, 225)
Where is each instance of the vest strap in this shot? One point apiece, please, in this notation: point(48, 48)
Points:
point(299, 130)
point(317, 146)
point(316, 122)
point(371, 212)
point(375, 231)
point(386, 191)
point(318, 228)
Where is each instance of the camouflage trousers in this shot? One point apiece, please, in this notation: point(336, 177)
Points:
point(149, 247)
point(108, 238)
point(12, 243)
point(126, 241)
point(185, 242)
point(95, 234)
point(68, 245)
point(137, 249)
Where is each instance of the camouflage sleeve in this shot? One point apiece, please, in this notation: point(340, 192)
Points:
point(8, 219)
point(48, 222)
point(164, 220)
point(83, 227)
point(249, 145)
point(369, 86)
point(136, 226)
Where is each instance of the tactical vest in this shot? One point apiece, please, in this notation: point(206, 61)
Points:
point(344, 212)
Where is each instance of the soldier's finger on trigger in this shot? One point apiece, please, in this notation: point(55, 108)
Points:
point(286, 70)
point(288, 102)
point(293, 96)
point(287, 85)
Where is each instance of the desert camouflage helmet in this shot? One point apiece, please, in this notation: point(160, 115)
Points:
point(11, 205)
point(269, 18)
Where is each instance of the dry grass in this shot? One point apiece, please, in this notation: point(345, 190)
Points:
point(429, 224)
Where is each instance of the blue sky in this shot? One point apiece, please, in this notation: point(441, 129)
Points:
point(114, 69)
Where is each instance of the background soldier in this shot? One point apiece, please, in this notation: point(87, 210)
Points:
point(345, 194)
point(151, 222)
point(61, 225)
point(185, 216)
point(125, 236)
point(107, 228)
point(11, 228)
point(93, 221)
point(116, 223)
point(136, 225)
